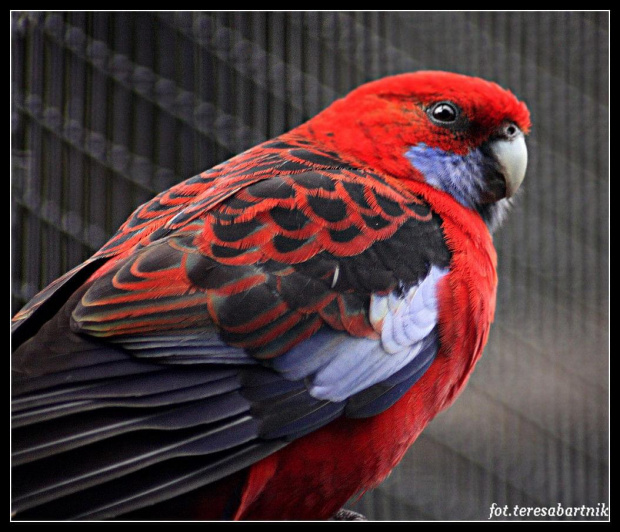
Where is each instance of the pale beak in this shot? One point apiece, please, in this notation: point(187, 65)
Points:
point(511, 154)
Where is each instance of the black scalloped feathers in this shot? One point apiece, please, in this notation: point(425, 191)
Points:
point(315, 180)
point(330, 209)
point(344, 235)
point(273, 170)
point(343, 239)
point(275, 261)
point(237, 231)
point(342, 211)
point(273, 188)
point(238, 264)
point(289, 219)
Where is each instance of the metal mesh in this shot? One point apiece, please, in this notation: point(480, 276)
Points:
point(110, 108)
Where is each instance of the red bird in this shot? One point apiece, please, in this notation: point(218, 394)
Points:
point(268, 338)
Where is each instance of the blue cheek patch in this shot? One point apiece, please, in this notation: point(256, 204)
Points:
point(461, 176)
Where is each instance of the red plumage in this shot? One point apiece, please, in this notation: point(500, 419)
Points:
point(368, 449)
point(262, 279)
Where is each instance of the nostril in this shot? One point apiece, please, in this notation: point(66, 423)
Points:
point(511, 130)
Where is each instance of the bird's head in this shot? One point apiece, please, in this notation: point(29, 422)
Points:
point(460, 134)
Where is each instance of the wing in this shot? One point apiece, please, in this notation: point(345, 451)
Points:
point(229, 330)
point(166, 212)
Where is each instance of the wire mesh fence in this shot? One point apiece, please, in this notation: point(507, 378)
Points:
point(109, 108)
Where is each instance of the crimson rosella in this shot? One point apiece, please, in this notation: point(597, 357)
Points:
point(267, 339)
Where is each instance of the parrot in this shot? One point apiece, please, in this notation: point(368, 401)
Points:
point(267, 339)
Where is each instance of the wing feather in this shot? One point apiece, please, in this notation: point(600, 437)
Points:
point(230, 315)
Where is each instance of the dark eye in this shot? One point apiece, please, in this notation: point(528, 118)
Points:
point(443, 113)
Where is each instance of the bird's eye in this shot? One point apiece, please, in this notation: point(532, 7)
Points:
point(443, 113)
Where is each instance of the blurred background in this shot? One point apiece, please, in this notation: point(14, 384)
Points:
point(109, 108)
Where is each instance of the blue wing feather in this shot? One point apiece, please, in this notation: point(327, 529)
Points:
point(338, 366)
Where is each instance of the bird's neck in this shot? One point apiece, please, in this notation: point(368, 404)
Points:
point(353, 135)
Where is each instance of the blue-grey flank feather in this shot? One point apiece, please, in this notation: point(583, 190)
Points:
point(339, 366)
